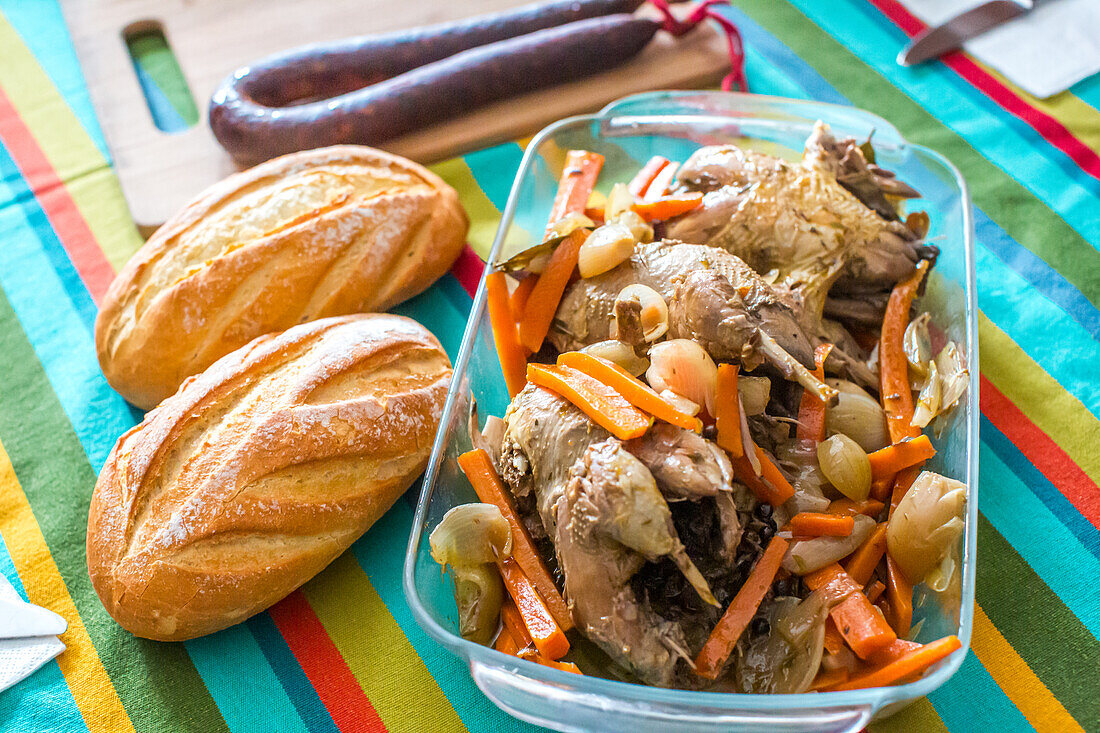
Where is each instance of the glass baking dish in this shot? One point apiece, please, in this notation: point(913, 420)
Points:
point(627, 133)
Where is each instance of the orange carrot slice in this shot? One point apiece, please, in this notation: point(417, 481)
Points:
point(667, 207)
point(727, 412)
point(874, 591)
point(546, 293)
point(811, 411)
point(861, 564)
point(770, 485)
point(607, 408)
point(724, 637)
point(820, 524)
point(902, 483)
point(479, 469)
point(893, 458)
point(827, 678)
point(548, 637)
point(513, 362)
point(914, 662)
point(894, 652)
point(858, 621)
point(899, 592)
point(640, 183)
point(521, 294)
point(869, 507)
point(636, 392)
point(897, 397)
point(506, 644)
point(578, 180)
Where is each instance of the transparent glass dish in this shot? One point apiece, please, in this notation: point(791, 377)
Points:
point(627, 133)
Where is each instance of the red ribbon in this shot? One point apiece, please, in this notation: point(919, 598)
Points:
point(705, 11)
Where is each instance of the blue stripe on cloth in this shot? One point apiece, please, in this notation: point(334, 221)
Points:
point(240, 683)
point(494, 169)
point(18, 194)
point(290, 675)
point(42, 701)
point(1046, 492)
point(1013, 146)
point(956, 702)
point(1040, 538)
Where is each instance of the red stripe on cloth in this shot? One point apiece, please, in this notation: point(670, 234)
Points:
point(1042, 451)
point(65, 218)
point(467, 269)
point(327, 671)
point(1048, 127)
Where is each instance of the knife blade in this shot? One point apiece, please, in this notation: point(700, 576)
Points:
point(935, 41)
point(19, 619)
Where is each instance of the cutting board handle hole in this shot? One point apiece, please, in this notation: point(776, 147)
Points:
point(167, 93)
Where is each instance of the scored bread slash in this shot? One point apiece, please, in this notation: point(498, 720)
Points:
point(479, 469)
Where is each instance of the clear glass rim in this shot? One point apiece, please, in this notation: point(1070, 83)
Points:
point(876, 697)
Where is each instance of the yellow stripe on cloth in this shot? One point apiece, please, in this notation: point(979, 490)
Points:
point(484, 217)
point(1026, 691)
point(386, 665)
point(67, 146)
point(1053, 409)
point(91, 687)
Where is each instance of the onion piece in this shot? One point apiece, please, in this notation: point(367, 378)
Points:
point(618, 353)
point(755, 393)
point(654, 315)
point(927, 522)
point(479, 594)
point(606, 248)
point(860, 417)
point(684, 367)
point(471, 535)
point(639, 227)
point(619, 201)
point(846, 466)
point(917, 344)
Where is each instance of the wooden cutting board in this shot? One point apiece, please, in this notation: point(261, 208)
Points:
point(160, 171)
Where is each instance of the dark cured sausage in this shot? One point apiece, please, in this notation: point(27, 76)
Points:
point(323, 71)
point(412, 94)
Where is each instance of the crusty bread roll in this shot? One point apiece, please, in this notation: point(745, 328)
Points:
point(326, 232)
point(262, 470)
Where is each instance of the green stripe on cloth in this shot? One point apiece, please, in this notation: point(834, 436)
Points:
point(1038, 625)
point(155, 681)
point(1023, 216)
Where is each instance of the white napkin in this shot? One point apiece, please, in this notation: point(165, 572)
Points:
point(20, 657)
point(1045, 51)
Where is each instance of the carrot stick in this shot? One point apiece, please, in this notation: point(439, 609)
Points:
point(819, 524)
point(563, 666)
point(899, 592)
point(578, 180)
point(513, 624)
point(770, 486)
point(894, 652)
point(636, 392)
point(668, 206)
point(893, 458)
point(724, 637)
point(727, 411)
point(897, 398)
point(546, 293)
point(874, 591)
point(548, 637)
point(828, 678)
point(640, 183)
point(607, 408)
point(513, 362)
point(834, 642)
point(661, 182)
point(521, 294)
point(902, 483)
point(479, 469)
point(861, 564)
point(859, 622)
point(869, 507)
point(811, 411)
point(506, 644)
point(911, 663)
point(880, 488)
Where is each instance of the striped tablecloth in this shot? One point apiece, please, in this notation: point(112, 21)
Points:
point(344, 652)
